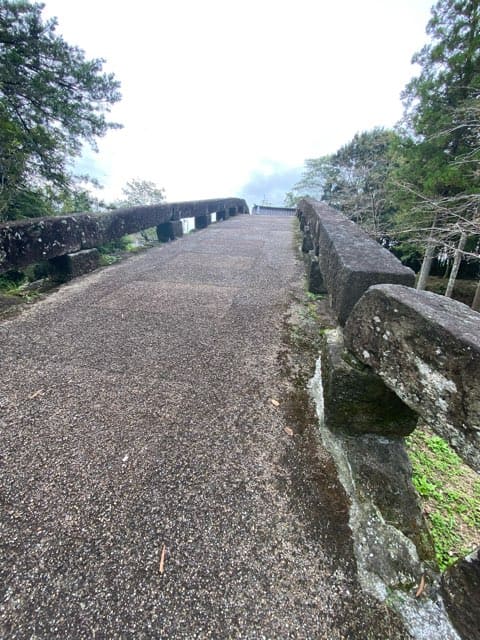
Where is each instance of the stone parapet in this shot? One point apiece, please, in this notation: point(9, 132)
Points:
point(350, 261)
point(426, 348)
point(24, 242)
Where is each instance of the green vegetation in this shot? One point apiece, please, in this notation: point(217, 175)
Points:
point(419, 184)
point(450, 492)
point(52, 101)
point(139, 193)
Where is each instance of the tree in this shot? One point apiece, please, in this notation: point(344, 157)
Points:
point(140, 192)
point(440, 173)
point(355, 179)
point(52, 101)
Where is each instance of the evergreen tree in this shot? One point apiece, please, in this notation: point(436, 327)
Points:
point(52, 101)
point(355, 179)
point(435, 100)
point(441, 151)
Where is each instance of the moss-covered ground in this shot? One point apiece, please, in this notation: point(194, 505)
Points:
point(450, 495)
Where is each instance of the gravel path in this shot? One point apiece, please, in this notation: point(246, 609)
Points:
point(148, 488)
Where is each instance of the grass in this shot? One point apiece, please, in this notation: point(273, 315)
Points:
point(450, 494)
point(463, 291)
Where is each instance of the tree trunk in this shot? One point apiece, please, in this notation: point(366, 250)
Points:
point(456, 264)
point(427, 258)
point(476, 300)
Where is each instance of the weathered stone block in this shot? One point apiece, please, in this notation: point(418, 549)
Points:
point(201, 222)
point(461, 593)
point(72, 265)
point(356, 399)
point(169, 231)
point(350, 261)
point(382, 472)
point(314, 275)
point(307, 241)
point(427, 349)
point(23, 242)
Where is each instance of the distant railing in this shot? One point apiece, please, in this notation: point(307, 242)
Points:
point(25, 242)
point(266, 210)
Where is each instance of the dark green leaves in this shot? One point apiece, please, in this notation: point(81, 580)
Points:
point(52, 100)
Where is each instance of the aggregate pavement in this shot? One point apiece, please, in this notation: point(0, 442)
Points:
point(149, 487)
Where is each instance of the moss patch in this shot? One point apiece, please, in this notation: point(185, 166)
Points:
point(450, 495)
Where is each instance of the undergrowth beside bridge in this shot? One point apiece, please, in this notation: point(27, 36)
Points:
point(450, 494)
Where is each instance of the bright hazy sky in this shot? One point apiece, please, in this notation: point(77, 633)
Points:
point(229, 97)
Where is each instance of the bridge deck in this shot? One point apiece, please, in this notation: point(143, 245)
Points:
point(135, 413)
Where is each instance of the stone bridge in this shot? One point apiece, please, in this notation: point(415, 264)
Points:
point(162, 476)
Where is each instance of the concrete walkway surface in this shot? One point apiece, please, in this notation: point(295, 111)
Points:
point(148, 488)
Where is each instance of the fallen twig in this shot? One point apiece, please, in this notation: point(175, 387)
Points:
point(162, 560)
point(421, 587)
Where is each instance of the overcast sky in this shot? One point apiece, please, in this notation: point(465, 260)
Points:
point(229, 97)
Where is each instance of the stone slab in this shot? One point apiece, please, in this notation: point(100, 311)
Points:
point(169, 231)
point(72, 265)
point(315, 280)
point(349, 259)
point(201, 222)
point(427, 349)
point(357, 400)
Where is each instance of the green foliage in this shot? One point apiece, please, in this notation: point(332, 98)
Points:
point(52, 101)
point(409, 253)
point(141, 192)
point(11, 281)
point(441, 124)
point(450, 491)
point(423, 180)
point(355, 179)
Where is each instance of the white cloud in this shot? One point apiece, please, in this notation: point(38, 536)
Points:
point(214, 89)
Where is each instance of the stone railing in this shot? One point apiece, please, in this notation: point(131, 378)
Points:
point(397, 354)
point(34, 240)
point(424, 347)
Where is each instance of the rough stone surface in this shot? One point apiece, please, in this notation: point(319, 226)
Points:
point(314, 275)
point(169, 231)
point(461, 592)
point(27, 241)
point(390, 539)
point(201, 222)
point(427, 349)
point(307, 242)
point(383, 474)
point(72, 265)
point(350, 261)
point(356, 399)
point(135, 412)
